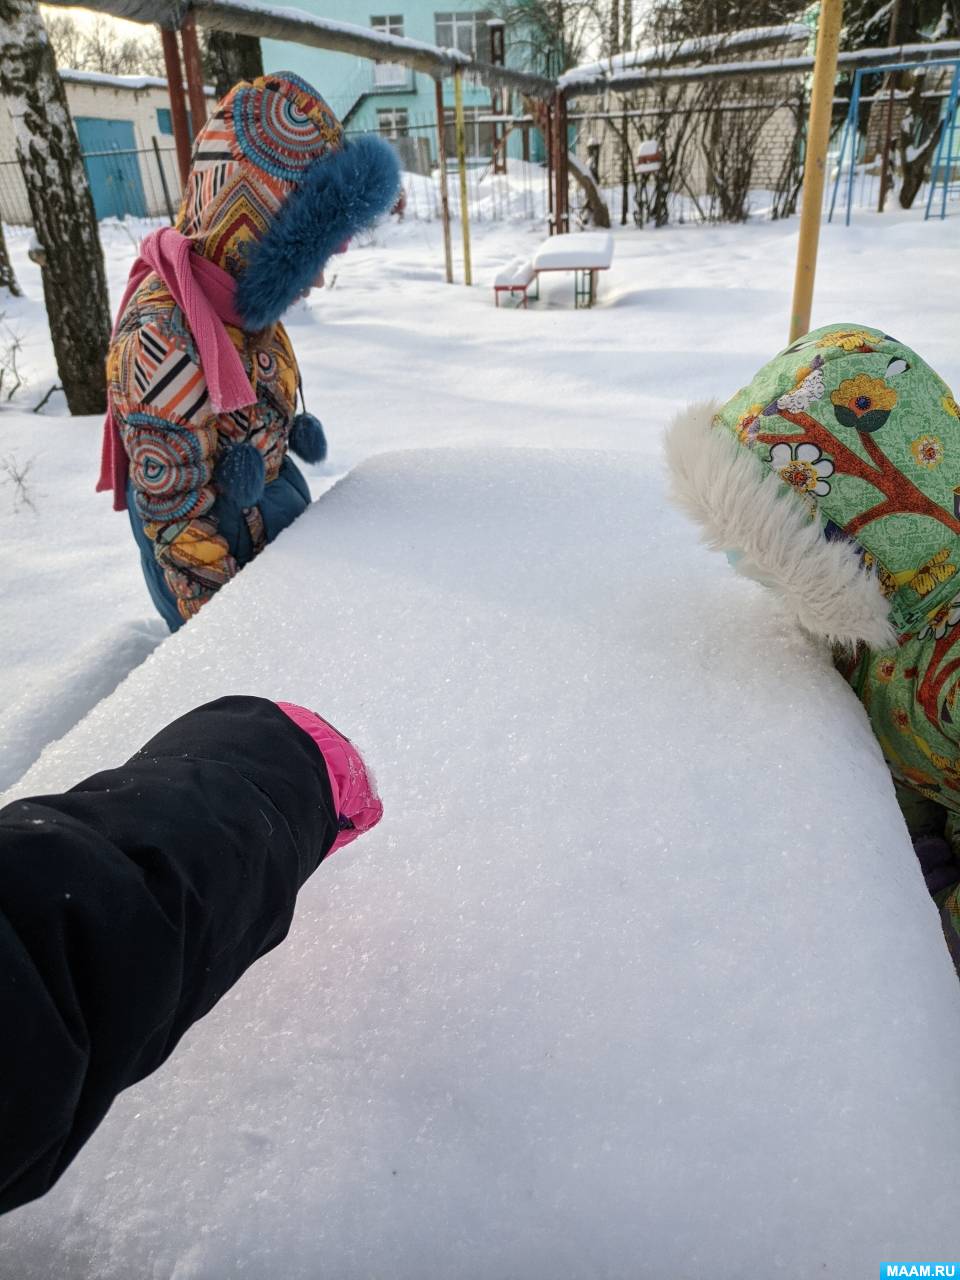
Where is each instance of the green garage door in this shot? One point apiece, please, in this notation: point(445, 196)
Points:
point(113, 166)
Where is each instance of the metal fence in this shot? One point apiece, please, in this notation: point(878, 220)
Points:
point(145, 182)
point(136, 183)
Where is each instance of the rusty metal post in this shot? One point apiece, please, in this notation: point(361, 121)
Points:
point(561, 167)
point(178, 112)
point(498, 98)
point(444, 197)
point(193, 65)
point(550, 142)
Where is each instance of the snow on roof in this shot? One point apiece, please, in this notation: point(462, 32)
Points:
point(930, 54)
point(121, 82)
point(650, 55)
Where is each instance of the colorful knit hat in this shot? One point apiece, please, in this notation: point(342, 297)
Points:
point(275, 189)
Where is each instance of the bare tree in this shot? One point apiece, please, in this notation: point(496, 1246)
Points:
point(66, 38)
point(868, 23)
point(790, 179)
point(8, 279)
point(103, 46)
point(550, 36)
point(922, 120)
point(74, 286)
point(106, 50)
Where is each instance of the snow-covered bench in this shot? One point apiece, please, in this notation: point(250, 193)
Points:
point(582, 252)
point(515, 278)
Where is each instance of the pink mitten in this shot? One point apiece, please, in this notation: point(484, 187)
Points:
point(355, 796)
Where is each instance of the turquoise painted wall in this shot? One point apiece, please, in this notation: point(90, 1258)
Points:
point(350, 84)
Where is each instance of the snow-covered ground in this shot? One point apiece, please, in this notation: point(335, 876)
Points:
point(638, 976)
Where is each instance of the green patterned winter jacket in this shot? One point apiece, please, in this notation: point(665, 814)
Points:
point(834, 478)
point(836, 474)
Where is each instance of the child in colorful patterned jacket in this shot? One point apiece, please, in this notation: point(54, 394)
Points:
point(834, 478)
point(202, 379)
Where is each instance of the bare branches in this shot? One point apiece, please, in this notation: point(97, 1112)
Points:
point(15, 473)
point(550, 36)
point(102, 46)
point(8, 279)
point(55, 386)
point(11, 378)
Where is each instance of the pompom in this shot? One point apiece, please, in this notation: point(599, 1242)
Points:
point(307, 439)
point(240, 475)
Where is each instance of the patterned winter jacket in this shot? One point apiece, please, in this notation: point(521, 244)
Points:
point(273, 191)
point(836, 475)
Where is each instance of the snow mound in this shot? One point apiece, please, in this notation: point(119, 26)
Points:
point(638, 976)
point(46, 710)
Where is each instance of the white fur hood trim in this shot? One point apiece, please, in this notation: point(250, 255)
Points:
point(741, 505)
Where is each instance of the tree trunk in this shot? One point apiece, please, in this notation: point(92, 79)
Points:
point(230, 58)
point(8, 280)
point(74, 286)
point(614, 33)
point(599, 213)
point(915, 160)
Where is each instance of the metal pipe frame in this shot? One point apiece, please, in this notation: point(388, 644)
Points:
point(851, 125)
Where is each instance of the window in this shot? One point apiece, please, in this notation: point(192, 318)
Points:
point(467, 32)
point(165, 121)
point(392, 122)
point(389, 75)
point(479, 135)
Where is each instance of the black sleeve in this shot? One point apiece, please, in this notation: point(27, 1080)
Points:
point(129, 905)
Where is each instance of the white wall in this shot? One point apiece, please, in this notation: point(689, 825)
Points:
point(133, 98)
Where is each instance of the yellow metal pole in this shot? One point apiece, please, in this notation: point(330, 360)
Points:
point(462, 166)
point(815, 163)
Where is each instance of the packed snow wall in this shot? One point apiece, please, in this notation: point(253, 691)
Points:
point(637, 978)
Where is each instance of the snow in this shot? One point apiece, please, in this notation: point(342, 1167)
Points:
point(641, 73)
point(683, 50)
point(69, 690)
point(121, 82)
point(578, 249)
point(574, 996)
point(638, 977)
point(517, 273)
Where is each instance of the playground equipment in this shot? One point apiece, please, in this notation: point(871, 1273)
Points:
point(548, 96)
point(941, 173)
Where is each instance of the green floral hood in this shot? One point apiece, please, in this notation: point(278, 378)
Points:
point(836, 474)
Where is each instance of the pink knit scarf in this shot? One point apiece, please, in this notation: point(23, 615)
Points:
point(204, 293)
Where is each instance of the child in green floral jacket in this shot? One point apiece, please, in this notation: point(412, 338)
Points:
point(834, 478)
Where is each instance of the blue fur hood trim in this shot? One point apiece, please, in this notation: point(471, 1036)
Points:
point(341, 194)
